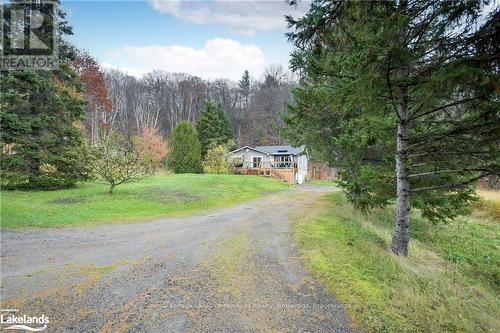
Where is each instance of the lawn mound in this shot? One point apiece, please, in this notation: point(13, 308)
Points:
point(162, 195)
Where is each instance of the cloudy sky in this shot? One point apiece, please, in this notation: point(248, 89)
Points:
point(211, 39)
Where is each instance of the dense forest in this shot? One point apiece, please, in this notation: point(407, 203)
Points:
point(161, 100)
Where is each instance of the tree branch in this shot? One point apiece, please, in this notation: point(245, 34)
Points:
point(449, 186)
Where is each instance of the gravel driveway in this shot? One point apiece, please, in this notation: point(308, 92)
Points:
point(229, 270)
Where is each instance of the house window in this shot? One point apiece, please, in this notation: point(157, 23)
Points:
point(237, 161)
point(257, 161)
point(283, 161)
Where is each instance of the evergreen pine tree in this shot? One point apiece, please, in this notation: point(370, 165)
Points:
point(184, 149)
point(403, 98)
point(40, 146)
point(244, 86)
point(213, 127)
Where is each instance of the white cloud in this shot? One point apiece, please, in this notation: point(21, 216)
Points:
point(217, 58)
point(138, 73)
point(244, 17)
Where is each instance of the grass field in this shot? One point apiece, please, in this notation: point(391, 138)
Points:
point(153, 197)
point(449, 283)
point(490, 203)
point(321, 182)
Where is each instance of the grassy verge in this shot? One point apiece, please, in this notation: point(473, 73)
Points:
point(449, 283)
point(489, 203)
point(321, 182)
point(157, 196)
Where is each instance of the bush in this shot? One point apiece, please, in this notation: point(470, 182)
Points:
point(151, 144)
point(216, 161)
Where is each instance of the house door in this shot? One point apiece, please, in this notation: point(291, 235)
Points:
point(257, 161)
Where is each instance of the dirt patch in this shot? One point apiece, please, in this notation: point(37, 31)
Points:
point(163, 194)
point(68, 200)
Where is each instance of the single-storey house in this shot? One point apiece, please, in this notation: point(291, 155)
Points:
point(285, 163)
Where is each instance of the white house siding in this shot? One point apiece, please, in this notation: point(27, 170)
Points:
point(248, 157)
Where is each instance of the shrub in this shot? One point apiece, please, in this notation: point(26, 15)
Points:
point(216, 161)
point(151, 144)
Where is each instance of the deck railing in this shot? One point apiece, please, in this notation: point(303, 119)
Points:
point(266, 165)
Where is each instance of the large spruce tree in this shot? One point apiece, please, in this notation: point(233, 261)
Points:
point(184, 149)
point(402, 97)
point(213, 127)
point(40, 146)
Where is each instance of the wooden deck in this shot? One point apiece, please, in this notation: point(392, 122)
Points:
point(283, 174)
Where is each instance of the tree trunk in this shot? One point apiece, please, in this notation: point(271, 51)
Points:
point(239, 135)
point(401, 236)
point(111, 188)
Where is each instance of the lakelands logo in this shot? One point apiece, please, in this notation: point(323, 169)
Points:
point(24, 322)
point(29, 35)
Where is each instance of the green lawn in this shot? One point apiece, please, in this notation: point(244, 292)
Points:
point(153, 197)
point(321, 182)
point(449, 283)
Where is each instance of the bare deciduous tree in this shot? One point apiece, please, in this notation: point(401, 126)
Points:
point(161, 100)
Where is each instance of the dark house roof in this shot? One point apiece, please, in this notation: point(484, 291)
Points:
point(281, 150)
